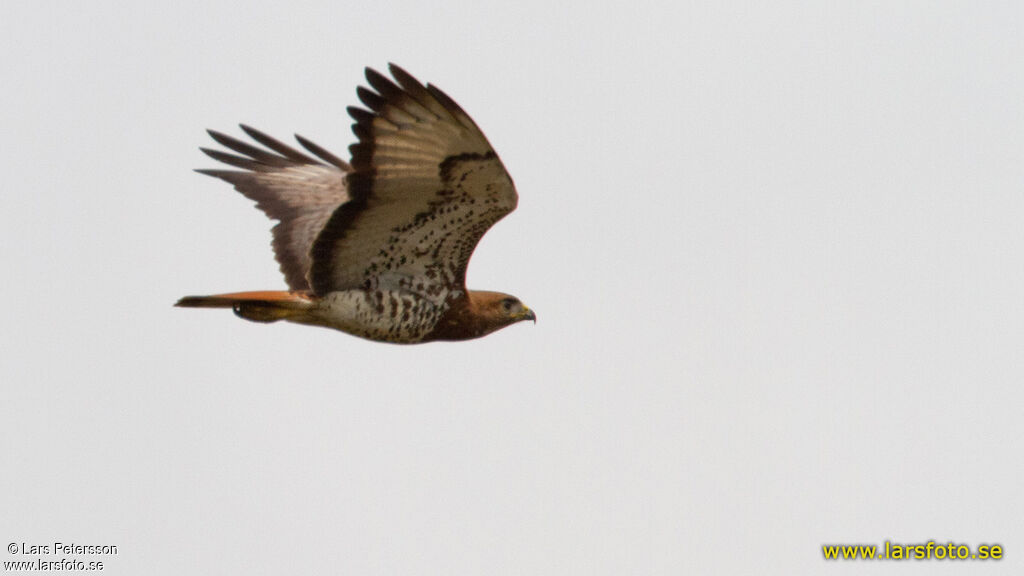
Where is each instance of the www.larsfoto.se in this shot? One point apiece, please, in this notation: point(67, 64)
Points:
point(927, 551)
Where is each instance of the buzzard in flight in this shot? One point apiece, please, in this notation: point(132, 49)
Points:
point(378, 247)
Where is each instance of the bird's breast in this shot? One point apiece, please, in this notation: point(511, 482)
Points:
point(382, 315)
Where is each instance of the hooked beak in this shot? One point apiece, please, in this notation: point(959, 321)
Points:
point(527, 314)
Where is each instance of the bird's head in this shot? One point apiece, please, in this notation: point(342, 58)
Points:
point(495, 310)
point(478, 313)
point(504, 308)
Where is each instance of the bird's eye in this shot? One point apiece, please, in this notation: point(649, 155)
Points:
point(507, 304)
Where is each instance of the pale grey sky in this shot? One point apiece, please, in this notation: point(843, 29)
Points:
point(775, 252)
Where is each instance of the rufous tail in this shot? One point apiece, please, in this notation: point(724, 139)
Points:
point(264, 306)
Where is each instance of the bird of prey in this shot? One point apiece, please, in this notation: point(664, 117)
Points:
point(378, 248)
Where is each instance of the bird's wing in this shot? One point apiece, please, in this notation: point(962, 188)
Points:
point(299, 191)
point(425, 186)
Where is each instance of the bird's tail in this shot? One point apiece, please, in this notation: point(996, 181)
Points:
point(265, 306)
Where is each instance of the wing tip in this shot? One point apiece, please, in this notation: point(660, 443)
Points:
point(322, 153)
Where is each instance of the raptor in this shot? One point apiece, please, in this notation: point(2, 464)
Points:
point(377, 247)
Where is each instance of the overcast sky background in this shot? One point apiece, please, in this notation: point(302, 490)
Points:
point(775, 253)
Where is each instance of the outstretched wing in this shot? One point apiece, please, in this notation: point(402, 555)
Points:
point(299, 191)
point(424, 189)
